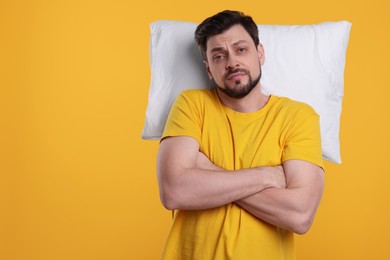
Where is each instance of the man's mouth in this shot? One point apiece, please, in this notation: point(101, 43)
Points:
point(236, 75)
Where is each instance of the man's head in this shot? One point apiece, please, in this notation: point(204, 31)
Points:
point(231, 51)
point(219, 23)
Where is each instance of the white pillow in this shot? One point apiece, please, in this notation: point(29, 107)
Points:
point(302, 62)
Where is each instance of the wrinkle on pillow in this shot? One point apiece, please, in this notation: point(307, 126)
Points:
point(302, 62)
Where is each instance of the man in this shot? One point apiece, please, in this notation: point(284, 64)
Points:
point(242, 170)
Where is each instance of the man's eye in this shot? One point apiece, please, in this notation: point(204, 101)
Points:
point(242, 50)
point(219, 57)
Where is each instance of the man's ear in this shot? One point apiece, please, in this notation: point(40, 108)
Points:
point(208, 69)
point(260, 51)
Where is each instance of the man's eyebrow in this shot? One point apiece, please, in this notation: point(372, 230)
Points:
point(239, 42)
point(217, 49)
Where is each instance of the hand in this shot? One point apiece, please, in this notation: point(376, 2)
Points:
point(274, 176)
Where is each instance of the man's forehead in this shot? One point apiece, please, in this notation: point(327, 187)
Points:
point(233, 36)
point(219, 47)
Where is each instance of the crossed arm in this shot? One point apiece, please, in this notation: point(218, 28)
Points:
point(286, 196)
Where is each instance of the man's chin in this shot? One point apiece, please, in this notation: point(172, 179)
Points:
point(236, 86)
point(236, 93)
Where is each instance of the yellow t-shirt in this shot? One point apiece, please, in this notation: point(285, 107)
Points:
point(282, 130)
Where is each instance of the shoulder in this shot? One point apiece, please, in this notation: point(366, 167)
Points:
point(197, 93)
point(197, 97)
point(293, 107)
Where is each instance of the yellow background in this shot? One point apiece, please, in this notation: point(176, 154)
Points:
point(77, 181)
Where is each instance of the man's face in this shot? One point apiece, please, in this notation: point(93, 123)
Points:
point(233, 61)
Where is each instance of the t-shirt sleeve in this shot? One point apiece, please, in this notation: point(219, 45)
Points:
point(303, 141)
point(183, 119)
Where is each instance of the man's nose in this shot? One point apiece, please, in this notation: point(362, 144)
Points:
point(232, 62)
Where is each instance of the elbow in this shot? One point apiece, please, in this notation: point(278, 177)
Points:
point(302, 227)
point(169, 204)
point(303, 217)
point(178, 199)
point(172, 198)
point(302, 223)
point(168, 200)
point(168, 193)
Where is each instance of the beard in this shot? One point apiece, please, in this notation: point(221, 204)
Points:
point(239, 90)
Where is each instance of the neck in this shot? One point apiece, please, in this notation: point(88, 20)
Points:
point(252, 102)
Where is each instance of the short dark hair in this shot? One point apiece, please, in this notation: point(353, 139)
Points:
point(221, 22)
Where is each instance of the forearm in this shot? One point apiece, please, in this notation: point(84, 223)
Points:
point(292, 208)
point(189, 180)
point(195, 189)
point(285, 208)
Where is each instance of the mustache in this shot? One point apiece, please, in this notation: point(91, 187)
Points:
point(230, 72)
